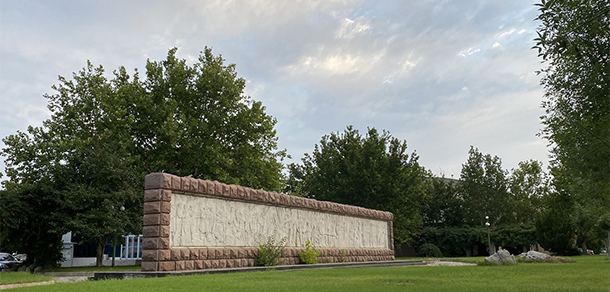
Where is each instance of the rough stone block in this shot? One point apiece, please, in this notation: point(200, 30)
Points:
point(164, 231)
point(199, 265)
point(149, 266)
point(152, 207)
point(165, 254)
point(151, 219)
point(189, 265)
point(163, 243)
point(202, 186)
point(214, 264)
point(211, 254)
point(165, 207)
point(151, 231)
point(150, 243)
point(185, 186)
point(180, 265)
point(203, 254)
point(193, 185)
point(194, 254)
point(167, 266)
point(185, 254)
point(233, 253)
point(211, 188)
point(230, 263)
point(207, 264)
point(218, 254)
point(175, 255)
point(152, 195)
point(157, 181)
point(222, 264)
point(233, 191)
point(150, 255)
point(176, 183)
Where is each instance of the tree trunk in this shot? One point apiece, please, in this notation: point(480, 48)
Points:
point(99, 251)
point(583, 246)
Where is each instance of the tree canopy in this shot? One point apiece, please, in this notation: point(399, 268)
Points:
point(372, 171)
point(574, 43)
point(105, 134)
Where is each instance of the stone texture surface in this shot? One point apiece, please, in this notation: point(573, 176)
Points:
point(198, 221)
point(535, 255)
point(502, 257)
point(161, 190)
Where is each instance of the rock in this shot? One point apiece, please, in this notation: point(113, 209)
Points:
point(534, 255)
point(37, 269)
point(502, 257)
point(21, 269)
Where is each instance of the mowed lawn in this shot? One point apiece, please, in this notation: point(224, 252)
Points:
point(589, 273)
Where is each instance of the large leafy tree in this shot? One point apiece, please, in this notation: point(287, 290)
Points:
point(573, 42)
point(528, 187)
point(105, 135)
point(373, 171)
point(483, 188)
point(443, 206)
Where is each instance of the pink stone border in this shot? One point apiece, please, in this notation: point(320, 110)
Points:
point(157, 255)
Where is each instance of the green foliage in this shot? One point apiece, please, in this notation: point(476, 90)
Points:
point(29, 224)
point(528, 185)
point(309, 255)
point(483, 188)
point(270, 252)
point(573, 43)
point(454, 241)
point(105, 134)
point(555, 228)
point(342, 255)
point(443, 207)
point(374, 171)
point(429, 250)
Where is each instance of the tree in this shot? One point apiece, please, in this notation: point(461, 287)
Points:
point(573, 42)
point(443, 206)
point(555, 226)
point(30, 224)
point(528, 186)
point(374, 171)
point(483, 189)
point(105, 135)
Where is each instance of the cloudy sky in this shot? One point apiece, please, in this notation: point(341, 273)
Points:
point(442, 75)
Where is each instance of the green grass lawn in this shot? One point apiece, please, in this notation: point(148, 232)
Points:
point(588, 273)
point(21, 277)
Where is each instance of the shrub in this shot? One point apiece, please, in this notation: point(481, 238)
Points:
point(429, 250)
point(269, 253)
point(309, 255)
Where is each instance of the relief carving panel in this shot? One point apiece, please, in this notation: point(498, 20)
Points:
point(200, 221)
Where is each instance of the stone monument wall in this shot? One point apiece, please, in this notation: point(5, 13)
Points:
point(192, 224)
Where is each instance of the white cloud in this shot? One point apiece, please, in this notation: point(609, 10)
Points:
point(350, 28)
point(469, 51)
point(506, 33)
